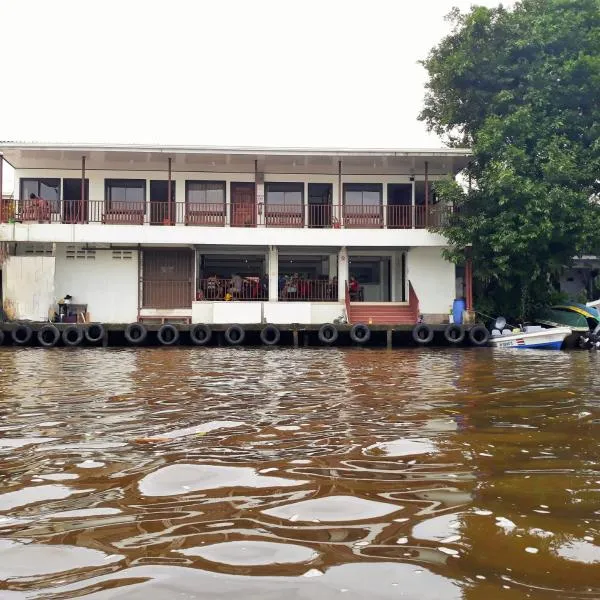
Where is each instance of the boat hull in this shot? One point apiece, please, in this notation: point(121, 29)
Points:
point(547, 339)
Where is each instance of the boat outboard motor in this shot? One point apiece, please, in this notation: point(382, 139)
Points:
point(592, 339)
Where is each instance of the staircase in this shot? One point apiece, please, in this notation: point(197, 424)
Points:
point(384, 313)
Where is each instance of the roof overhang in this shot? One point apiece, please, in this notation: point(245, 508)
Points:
point(440, 161)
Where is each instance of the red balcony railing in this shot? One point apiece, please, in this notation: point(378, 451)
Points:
point(363, 217)
point(312, 290)
point(222, 214)
point(236, 288)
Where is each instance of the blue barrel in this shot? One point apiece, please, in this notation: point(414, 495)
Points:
point(457, 310)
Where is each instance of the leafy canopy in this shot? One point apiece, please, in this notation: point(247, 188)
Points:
point(521, 87)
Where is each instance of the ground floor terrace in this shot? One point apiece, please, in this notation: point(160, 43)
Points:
point(229, 284)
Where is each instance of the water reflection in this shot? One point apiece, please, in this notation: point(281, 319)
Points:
point(372, 474)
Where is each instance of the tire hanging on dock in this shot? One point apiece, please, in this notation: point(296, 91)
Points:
point(72, 335)
point(135, 333)
point(200, 334)
point(168, 334)
point(94, 333)
point(422, 334)
point(454, 333)
point(328, 334)
point(270, 335)
point(360, 333)
point(234, 335)
point(21, 334)
point(48, 336)
point(479, 335)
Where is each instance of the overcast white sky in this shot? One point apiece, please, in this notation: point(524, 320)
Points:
point(336, 73)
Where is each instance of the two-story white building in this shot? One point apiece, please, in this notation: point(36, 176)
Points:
point(228, 235)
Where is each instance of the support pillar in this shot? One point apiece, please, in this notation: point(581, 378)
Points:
point(170, 216)
point(83, 198)
point(426, 193)
point(340, 195)
point(469, 284)
point(384, 201)
point(413, 198)
point(3, 205)
point(273, 267)
point(343, 273)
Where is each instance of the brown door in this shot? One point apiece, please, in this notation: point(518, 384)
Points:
point(167, 278)
point(162, 209)
point(243, 205)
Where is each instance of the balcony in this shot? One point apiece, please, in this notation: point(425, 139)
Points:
point(327, 216)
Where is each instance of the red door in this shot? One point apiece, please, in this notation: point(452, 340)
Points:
point(243, 205)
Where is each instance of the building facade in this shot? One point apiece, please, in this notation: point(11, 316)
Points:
point(228, 235)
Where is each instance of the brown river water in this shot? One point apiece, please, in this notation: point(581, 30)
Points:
point(313, 473)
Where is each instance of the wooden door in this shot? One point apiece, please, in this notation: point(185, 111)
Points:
point(167, 278)
point(162, 208)
point(243, 205)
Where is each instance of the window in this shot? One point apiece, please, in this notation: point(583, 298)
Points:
point(127, 194)
point(361, 194)
point(205, 195)
point(284, 197)
point(46, 189)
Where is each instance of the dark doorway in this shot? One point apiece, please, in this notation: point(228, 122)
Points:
point(243, 205)
point(76, 208)
point(162, 211)
point(399, 209)
point(320, 197)
point(167, 278)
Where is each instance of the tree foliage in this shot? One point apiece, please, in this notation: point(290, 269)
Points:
point(521, 87)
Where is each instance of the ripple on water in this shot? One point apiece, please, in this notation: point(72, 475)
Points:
point(184, 478)
point(359, 581)
point(253, 552)
point(21, 442)
point(333, 508)
point(580, 551)
point(28, 560)
point(437, 529)
point(402, 447)
point(30, 495)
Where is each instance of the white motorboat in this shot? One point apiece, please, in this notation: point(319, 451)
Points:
point(530, 337)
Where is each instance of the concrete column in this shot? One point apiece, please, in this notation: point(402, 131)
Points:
point(273, 274)
point(395, 266)
point(305, 199)
point(333, 264)
point(147, 203)
point(384, 200)
point(343, 273)
point(227, 203)
point(412, 201)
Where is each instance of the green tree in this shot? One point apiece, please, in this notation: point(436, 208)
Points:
point(521, 87)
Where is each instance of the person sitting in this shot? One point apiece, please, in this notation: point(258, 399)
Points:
point(354, 289)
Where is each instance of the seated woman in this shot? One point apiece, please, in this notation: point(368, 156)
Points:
point(354, 289)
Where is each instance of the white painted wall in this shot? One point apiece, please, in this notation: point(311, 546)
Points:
point(202, 312)
point(28, 287)
point(237, 312)
point(280, 313)
point(109, 286)
point(287, 312)
point(433, 279)
point(326, 312)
